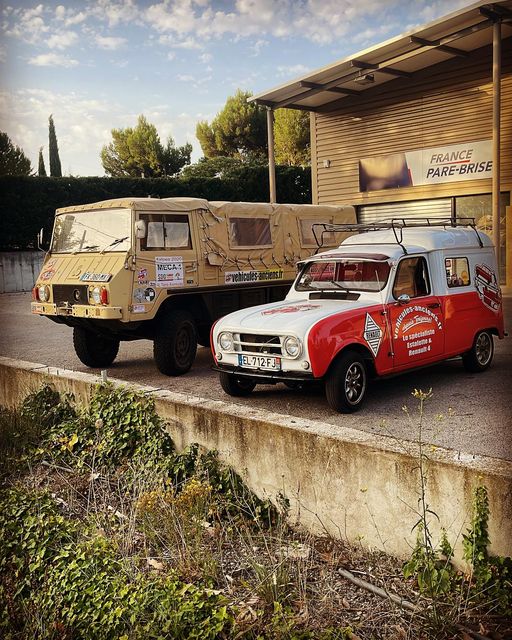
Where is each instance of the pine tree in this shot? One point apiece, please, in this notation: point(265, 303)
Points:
point(13, 161)
point(41, 171)
point(53, 149)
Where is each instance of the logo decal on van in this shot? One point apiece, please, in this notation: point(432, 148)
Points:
point(372, 334)
point(487, 287)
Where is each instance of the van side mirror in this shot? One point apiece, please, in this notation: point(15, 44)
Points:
point(404, 299)
point(140, 229)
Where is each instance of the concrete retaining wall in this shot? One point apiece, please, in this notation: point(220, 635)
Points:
point(348, 483)
point(19, 270)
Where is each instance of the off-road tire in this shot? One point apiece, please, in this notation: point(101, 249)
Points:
point(175, 343)
point(346, 384)
point(236, 386)
point(94, 349)
point(479, 357)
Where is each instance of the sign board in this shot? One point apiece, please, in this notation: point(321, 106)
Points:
point(453, 163)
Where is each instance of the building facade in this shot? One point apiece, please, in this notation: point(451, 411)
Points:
point(406, 129)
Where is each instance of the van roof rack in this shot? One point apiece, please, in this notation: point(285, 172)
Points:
point(396, 224)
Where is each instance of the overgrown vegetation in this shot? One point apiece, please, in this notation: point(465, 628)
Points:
point(107, 532)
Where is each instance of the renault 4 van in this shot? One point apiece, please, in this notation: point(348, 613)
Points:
point(393, 297)
point(165, 269)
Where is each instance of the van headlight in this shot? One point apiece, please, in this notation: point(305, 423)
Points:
point(43, 292)
point(292, 347)
point(225, 341)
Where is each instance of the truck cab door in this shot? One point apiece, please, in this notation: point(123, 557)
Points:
point(416, 315)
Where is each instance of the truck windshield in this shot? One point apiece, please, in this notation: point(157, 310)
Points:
point(86, 231)
point(349, 274)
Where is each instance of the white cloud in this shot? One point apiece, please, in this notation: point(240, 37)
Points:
point(292, 70)
point(52, 60)
point(62, 40)
point(28, 24)
point(70, 17)
point(110, 43)
point(116, 11)
point(205, 58)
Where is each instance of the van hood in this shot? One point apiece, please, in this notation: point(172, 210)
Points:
point(288, 316)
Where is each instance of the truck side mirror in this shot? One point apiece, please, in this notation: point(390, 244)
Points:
point(140, 229)
point(40, 239)
point(404, 299)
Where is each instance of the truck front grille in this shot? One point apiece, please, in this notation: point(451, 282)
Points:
point(70, 294)
point(252, 343)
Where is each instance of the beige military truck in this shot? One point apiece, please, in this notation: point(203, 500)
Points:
point(166, 269)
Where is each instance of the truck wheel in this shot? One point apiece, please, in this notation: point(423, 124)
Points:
point(236, 386)
point(346, 384)
point(94, 349)
point(479, 357)
point(175, 343)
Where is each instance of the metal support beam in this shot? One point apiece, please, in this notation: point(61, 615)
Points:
point(271, 156)
point(496, 136)
point(435, 44)
point(380, 68)
point(340, 90)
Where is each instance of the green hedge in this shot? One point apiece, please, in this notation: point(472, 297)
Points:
point(29, 203)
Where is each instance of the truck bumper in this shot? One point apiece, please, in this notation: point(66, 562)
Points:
point(77, 311)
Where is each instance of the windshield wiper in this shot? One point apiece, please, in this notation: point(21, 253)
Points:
point(114, 243)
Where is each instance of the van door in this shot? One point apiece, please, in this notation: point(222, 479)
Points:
point(417, 324)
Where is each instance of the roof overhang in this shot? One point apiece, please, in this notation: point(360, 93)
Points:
point(454, 35)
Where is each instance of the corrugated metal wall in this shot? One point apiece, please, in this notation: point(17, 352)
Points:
point(449, 103)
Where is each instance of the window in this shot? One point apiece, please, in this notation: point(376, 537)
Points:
point(327, 239)
point(348, 275)
point(250, 232)
point(412, 278)
point(165, 232)
point(457, 272)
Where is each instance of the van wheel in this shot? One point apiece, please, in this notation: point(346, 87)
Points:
point(175, 343)
point(236, 386)
point(94, 349)
point(346, 384)
point(479, 357)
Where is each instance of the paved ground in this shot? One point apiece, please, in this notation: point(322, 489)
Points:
point(471, 413)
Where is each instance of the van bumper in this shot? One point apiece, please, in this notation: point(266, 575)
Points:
point(77, 311)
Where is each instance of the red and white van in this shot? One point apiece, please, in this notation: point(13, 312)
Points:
point(393, 297)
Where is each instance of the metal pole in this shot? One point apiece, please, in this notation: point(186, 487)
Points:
point(271, 156)
point(496, 135)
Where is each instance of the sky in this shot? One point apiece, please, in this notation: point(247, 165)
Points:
point(97, 65)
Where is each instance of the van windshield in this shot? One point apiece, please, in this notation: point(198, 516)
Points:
point(348, 274)
point(87, 231)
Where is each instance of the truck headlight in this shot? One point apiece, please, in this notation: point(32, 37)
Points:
point(225, 341)
point(95, 295)
point(43, 292)
point(292, 346)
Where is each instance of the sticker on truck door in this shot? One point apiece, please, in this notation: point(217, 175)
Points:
point(372, 334)
point(169, 271)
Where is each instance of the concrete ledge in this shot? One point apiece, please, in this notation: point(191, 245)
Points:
point(348, 483)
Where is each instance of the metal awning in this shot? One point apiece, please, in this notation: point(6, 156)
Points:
point(454, 35)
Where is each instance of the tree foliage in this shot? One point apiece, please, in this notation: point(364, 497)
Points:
point(41, 169)
point(138, 152)
point(223, 167)
point(13, 161)
point(291, 137)
point(53, 150)
point(237, 131)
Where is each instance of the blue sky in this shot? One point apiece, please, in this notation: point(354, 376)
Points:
point(97, 65)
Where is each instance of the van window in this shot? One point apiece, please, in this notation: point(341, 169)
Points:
point(412, 278)
point(250, 232)
point(165, 232)
point(457, 272)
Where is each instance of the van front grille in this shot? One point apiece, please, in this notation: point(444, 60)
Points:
point(253, 343)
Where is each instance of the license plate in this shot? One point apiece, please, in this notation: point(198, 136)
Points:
point(37, 308)
point(259, 362)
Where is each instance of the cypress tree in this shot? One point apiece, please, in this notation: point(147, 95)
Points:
point(53, 149)
point(41, 171)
